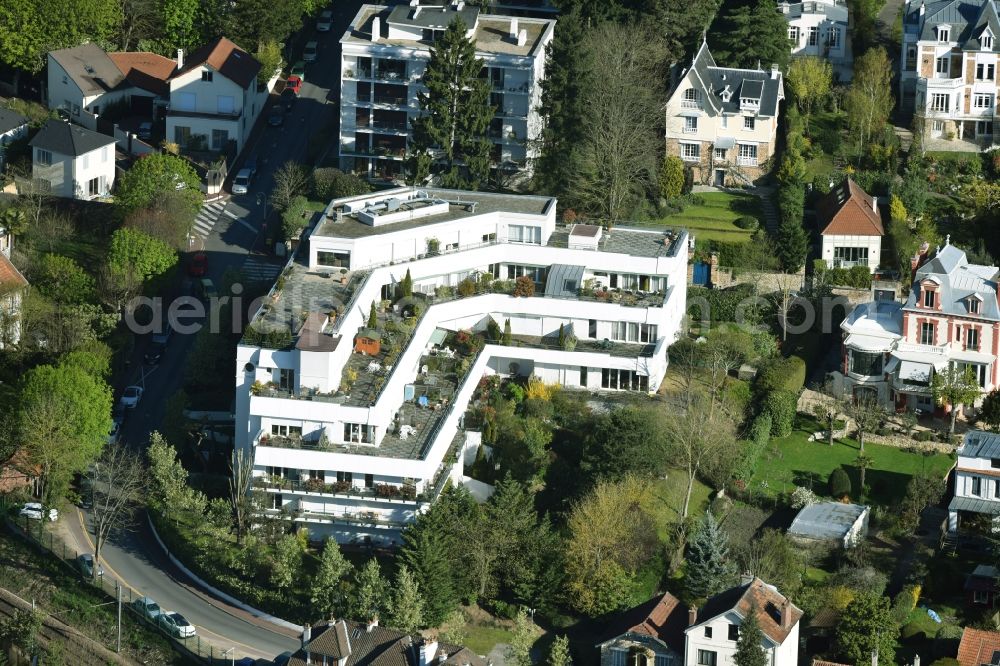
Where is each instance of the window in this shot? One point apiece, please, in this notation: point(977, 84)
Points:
point(286, 430)
point(972, 339)
point(845, 257)
point(691, 100)
point(519, 233)
point(286, 379)
point(104, 154)
point(978, 370)
point(734, 632)
point(749, 122)
point(359, 432)
point(345, 477)
point(985, 72)
point(690, 152)
point(813, 36)
point(996, 489)
point(719, 153)
point(794, 34)
point(225, 104)
point(706, 658)
point(926, 333)
point(583, 376)
point(748, 154)
point(995, 463)
point(369, 480)
point(451, 246)
point(928, 298)
point(690, 125)
point(708, 632)
point(623, 380)
point(939, 102)
point(977, 486)
point(833, 39)
point(662, 660)
point(182, 135)
point(943, 65)
point(333, 259)
point(219, 138)
point(974, 305)
point(944, 33)
point(43, 157)
point(76, 109)
point(981, 101)
point(490, 238)
point(206, 75)
point(276, 501)
point(865, 363)
point(987, 42)
point(94, 187)
point(619, 657)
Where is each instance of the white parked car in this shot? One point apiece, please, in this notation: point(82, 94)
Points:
point(241, 184)
point(311, 52)
point(147, 608)
point(33, 510)
point(175, 625)
point(131, 397)
point(324, 21)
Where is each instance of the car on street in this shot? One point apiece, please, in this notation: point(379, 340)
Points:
point(294, 83)
point(206, 288)
point(34, 511)
point(175, 625)
point(324, 21)
point(154, 353)
point(276, 117)
point(116, 426)
point(311, 52)
point(198, 265)
point(298, 69)
point(145, 130)
point(241, 184)
point(85, 562)
point(148, 608)
point(131, 397)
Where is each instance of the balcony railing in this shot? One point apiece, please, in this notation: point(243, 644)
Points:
point(691, 104)
point(384, 74)
point(347, 517)
point(390, 99)
point(690, 130)
point(386, 491)
point(746, 161)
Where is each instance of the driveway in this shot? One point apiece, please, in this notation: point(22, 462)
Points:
point(232, 240)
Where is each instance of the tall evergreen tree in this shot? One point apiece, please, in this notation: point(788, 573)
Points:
point(328, 583)
point(749, 648)
point(751, 35)
point(425, 553)
point(456, 113)
point(793, 245)
point(407, 612)
point(708, 569)
point(371, 592)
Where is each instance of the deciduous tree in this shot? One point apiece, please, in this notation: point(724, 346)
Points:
point(867, 627)
point(953, 387)
point(866, 412)
point(810, 79)
point(62, 279)
point(559, 652)
point(134, 253)
point(152, 177)
point(869, 99)
point(990, 411)
point(371, 591)
point(696, 435)
point(290, 180)
point(625, 441)
point(117, 483)
point(169, 492)
point(329, 583)
point(286, 562)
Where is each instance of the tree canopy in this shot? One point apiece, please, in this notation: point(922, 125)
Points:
point(138, 254)
point(155, 175)
point(750, 36)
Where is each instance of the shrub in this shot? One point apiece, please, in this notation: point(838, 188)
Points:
point(747, 222)
point(803, 497)
point(839, 483)
point(781, 374)
point(912, 630)
point(524, 286)
point(760, 429)
point(466, 287)
point(329, 183)
point(738, 395)
point(722, 304)
point(780, 405)
point(671, 177)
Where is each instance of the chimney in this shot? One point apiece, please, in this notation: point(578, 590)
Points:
point(372, 623)
point(692, 616)
point(786, 614)
point(442, 657)
point(522, 37)
point(416, 11)
point(306, 637)
point(775, 72)
point(513, 29)
point(746, 578)
point(180, 58)
point(376, 29)
point(427, 652)
point(921, 9)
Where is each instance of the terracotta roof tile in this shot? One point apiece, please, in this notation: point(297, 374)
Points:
point(755, 594)
point(661, 617)
point(978, 647)
point(10, 277)
point(226, 58)
point(820, 662)
point(848, 211)
point(149, 71)
point(379, 646)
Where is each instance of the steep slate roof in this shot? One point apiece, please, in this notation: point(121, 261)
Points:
point(966, 18)
point(90, 68)
point(226, 58)
point(848, 211)
point(987, 19)
point(379, 646)
point(10, 120)
point(978, 647)
point(149, 71)
point(663, 617)
point(765, 598)
point(69, 139)
point(713, 79)
point(958, 279)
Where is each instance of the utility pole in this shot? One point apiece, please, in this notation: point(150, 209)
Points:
point(118, 589)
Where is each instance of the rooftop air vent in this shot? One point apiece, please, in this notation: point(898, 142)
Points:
point(393, 204)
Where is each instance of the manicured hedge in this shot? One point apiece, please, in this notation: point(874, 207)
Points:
point(780, 406)
point(722, 303)
point(781, 374)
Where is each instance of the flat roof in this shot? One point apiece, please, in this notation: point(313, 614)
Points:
point(351, 226)
point(633, 242)
point(826, 520)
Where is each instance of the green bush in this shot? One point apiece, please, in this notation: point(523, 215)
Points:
point(722, 303)
point(912, 630)
point(857, 277)
point(330, 183)
point(760, 429)
point(839, 483)
point(780, 406)
point(738, 395)
point(747, 222)
point(781, 374)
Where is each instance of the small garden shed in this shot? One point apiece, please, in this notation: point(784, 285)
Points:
point(368, 341)
point(844, 525)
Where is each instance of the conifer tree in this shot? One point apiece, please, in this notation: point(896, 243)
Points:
point(425, 554)
point(372, 317)
point(456, 113)
point(506, 332)
point(793, 245)
point(751, 35)
point(749, 650)
point(328, 583)
point(406, 285)
point(708, 569)
point(407, 612)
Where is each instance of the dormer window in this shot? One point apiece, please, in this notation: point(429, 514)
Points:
point(726, 94)
point(974, 303)
point(928, 298)
point(944, 33)
point(748, 103)
point(986, 40)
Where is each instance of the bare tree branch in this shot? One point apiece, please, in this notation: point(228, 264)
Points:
point(117, 482)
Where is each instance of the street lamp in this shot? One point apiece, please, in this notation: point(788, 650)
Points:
point(231, 653)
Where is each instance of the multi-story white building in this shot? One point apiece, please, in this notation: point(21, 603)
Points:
point(977, 479)
point(353, 432)
point(821, 28)
point(951, 318)
point(72, 161)
point(723, 122)
point(384, 54)
point(948, 71)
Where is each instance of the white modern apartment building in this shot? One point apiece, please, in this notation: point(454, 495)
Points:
point(949, 68)
point(384, 54)
point(977, 479)
point(353, 432)
point(821, 28)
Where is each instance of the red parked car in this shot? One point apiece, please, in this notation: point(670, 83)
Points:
point(198, 265)
point(294, 83)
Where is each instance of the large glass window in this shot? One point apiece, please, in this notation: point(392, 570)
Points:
point(623, 380)
point(926, 333)
point(866, 363)
point(706, 657)
point(519, 233)
point(333, 259)
point(851, 256)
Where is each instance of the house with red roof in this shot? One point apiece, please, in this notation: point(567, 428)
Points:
point(850, 226)
point(979, 647)
point(651, 634)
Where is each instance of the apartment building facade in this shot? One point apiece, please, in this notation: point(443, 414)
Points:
point(353, 442)
point(821, 28)
point(723, 122)
point(948, 74)
point(384, 54)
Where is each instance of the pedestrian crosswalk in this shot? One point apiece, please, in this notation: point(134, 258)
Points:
point(259, 269)
point(207, 217)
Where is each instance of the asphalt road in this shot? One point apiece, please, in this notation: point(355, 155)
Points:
point(235, 241)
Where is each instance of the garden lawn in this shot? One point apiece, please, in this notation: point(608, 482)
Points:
point(668, 500)
point(713, 219)
point(794, 461)
point(951, 155)
point(482, 638)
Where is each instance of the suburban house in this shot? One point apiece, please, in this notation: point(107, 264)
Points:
point(214, 94)
point(13, 126)
point(383, 56)
point(713, 629)
point(12, 287)
point(834, 523)
point(72, 161)
point(352, 445)
point(948, 74)
point(723, 122)
point(982, 587)
point(82, 81)
point(851, 228)
point(648, 635)
point(345, 643)
point(977, 479)
point(821, 28)
point(950, 318)
point(978, 647)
